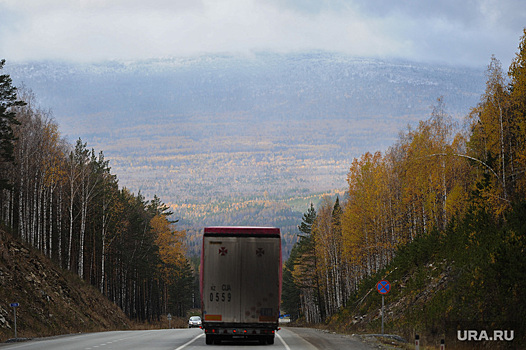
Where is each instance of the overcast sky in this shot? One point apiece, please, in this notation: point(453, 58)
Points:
point(464, 32)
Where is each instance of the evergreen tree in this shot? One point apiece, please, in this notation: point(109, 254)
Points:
point(308, 220)
point(337, 212)
point(290, 293)
point(180, 289)
point(298, 298)
point(8, 100)
point(304, 269)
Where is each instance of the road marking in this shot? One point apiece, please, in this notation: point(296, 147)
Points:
point(284, 344)
point(191, 341)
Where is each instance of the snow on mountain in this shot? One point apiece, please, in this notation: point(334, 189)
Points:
point(222, 126)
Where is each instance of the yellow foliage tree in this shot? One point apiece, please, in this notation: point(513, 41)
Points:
point(418, 185)
point(170, 243)
point(491, 127)
point(517, 74)
point(366, 219)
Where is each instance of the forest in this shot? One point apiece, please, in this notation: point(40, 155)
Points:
point(218, 129)
point(443, 192)
point(439, 179)
point(63, 200)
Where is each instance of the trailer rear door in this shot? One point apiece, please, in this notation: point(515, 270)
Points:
point(259, 279)
point(221, 280)
point(241, 277)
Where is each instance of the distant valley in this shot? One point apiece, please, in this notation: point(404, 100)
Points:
point(218, 135)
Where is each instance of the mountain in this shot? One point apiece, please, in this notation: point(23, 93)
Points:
point(211, 132)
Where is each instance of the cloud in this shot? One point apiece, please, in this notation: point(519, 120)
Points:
point(465, 32)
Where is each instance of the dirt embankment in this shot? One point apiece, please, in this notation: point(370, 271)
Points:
point(51, 301)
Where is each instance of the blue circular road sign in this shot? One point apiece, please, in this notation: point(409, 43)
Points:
point(383, 287)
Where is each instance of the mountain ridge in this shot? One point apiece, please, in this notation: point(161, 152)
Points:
point(215, 129)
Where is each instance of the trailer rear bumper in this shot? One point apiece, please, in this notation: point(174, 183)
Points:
point(264, 333)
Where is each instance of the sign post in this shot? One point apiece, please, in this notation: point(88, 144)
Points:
point(14, 306)
point(169, 317)
point(382, 314)
point(383, 287)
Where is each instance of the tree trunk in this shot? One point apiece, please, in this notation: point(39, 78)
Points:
point(70, 241)
point(84, 210)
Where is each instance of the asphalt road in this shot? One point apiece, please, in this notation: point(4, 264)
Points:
point(188, 339)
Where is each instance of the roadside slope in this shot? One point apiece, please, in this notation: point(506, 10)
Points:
point(51, 301)
point(469, 277)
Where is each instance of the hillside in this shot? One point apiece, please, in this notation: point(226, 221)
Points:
point(51, 301)
point(440, 215)
point(470, 277)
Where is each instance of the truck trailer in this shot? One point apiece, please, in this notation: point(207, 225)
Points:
point(240, 283)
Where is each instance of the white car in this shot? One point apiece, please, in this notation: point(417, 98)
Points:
point(194, 321)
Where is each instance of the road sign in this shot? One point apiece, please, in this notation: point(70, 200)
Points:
point(14, 306)
point(383, 287)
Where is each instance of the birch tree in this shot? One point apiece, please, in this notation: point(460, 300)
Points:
point(490, 127)
point(517, 143)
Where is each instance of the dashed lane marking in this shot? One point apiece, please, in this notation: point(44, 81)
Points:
point(191, 341)
point(283, 342)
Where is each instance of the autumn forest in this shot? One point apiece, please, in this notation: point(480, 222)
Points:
point(63, 200)
point(460, 187)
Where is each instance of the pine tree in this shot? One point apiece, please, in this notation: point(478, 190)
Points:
point(8, 100)
point(308, 220)
point(300, 286)
point(290, 294)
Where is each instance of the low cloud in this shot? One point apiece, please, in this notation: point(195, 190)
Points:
point(465, 32)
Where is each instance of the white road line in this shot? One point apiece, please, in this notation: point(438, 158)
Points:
point(191, 341)
point(284, 344)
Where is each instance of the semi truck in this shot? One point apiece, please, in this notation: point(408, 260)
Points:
point(240, 282)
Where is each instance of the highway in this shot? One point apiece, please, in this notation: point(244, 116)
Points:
point(187, 339)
